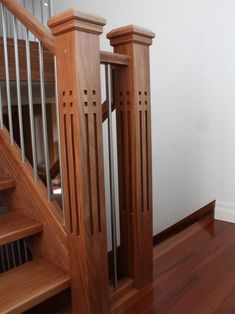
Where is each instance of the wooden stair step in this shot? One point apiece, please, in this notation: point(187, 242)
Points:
point(6, 182)
point(30, 284)
point(14, 226)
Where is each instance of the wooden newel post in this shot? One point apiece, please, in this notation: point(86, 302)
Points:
point(132, 99)
point(78, 64)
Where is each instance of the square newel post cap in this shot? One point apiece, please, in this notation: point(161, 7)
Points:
point(130, 34)
point(74, 19)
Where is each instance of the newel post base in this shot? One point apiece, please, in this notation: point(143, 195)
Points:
point(80, 111)
point(133, 113)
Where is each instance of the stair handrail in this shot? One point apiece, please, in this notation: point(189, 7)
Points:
point(40, 31)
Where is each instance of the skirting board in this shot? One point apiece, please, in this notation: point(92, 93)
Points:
point(225, 212)
point(207, 210)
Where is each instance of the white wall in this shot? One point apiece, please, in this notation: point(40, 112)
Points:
point(193, 97)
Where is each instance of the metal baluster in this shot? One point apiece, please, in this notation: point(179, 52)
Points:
point(50, 8)
point(17, 69)
point(42, 17)
point(33, 9)
point(8, 30)
point(31, 111)
point(44, 121)
point(111, 172)
point(19, 252)
point(1, 108)
point(8, 258)
point(7, 73)
point(2, 259)
point(59, 143)
point(13, 254)
point(26, 252)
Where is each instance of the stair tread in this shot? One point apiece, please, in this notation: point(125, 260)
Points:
point(30, 284)
point(14, 226)
point(6, 182)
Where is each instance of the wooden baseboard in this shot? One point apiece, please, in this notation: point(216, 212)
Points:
point(205, 211)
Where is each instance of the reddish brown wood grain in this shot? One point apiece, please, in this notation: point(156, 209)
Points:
point(133, 112)
point(193, 272)
point(29, 21)
point(30, 199)
point(29, 284)
point(48, 62)
point(78, 61)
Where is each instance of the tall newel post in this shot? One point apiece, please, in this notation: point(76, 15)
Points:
point(80, 111)
point(133, 113)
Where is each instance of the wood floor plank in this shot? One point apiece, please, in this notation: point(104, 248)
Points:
point(194, 272)
point(30, 284)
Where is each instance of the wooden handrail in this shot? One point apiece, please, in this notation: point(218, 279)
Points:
point(113, 58)
point(40, 31)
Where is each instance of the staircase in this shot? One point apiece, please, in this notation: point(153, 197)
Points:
point(29, 284)
point(52, 121)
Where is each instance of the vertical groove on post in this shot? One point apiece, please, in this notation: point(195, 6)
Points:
point(31, 111)
point(44, 121)
point(59, 139)
point(17, 69)
point(3, 11)
point(111, 172)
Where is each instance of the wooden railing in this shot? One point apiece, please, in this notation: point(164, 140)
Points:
point(40, 31)
point(73, 38)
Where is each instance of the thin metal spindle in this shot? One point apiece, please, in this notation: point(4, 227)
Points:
point(8, 258)
point(33, 9)
point(2, 259)
point(31, 111)
point(18, 90)
point(42, 17)
point(3, 12)
point(26, 252)
point(44, 121)
point(1, 109)
point(111, 171)
point(13, 254)
point(50, 8)
point(19, 252)
point(58, 131)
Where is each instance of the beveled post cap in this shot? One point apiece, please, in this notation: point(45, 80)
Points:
point(74, 19)
point(130, 34)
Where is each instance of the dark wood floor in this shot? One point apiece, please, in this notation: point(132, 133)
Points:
point(194, 272)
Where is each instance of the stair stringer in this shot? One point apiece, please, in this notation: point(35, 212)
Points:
point(30, 198)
